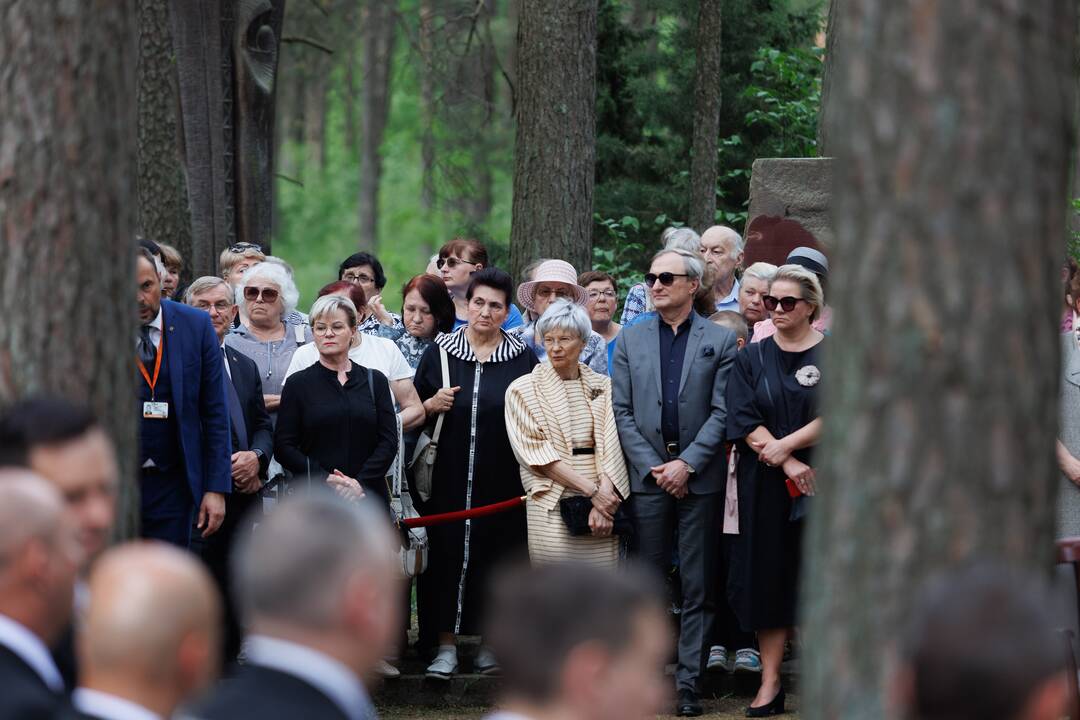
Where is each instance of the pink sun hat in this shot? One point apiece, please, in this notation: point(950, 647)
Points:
point(551, 271)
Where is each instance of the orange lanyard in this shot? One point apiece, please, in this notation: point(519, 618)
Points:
point(157, 365)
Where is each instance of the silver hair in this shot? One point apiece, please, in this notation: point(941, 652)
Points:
point(297, 568)
point(565, 315)
point(682, 238)
point(275, 273)
point(761, 271)
point(274, 259)
point(692, 263)
point(204, 284)
point(811, 286)
point(330, 303)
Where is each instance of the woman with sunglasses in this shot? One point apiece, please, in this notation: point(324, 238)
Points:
point(268, 335)
point(773, 416)
point(458, 260)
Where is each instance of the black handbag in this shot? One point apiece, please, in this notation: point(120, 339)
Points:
point(575, 513)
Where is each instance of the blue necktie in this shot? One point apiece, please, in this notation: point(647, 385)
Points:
point(236, 413)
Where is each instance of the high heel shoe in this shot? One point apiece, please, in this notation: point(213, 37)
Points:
point(773, 707)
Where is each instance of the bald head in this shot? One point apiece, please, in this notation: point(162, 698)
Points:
point(150, 604)
point(30, 509)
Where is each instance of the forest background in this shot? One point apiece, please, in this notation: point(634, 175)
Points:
point(395, 127)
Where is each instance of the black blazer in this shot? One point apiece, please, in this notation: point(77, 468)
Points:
point(259, 693)
point(248, 384)
point(326, 425)
point(23, 694)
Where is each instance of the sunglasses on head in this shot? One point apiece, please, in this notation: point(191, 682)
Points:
point(450, 262)
point(787, 304)
point(268, 295)
point(241, 247)
point(665, 278)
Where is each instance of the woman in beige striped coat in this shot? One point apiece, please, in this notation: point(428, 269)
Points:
point(562, 428)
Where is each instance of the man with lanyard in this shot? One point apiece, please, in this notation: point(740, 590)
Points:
point(184, 448)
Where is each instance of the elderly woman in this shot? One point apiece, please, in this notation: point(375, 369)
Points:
point(602, 302)
point(773, 417)
point(365, 271)
point(638, 301)
point(753, 287)
point(458, 260)
point(557, 280)
point(562, 429)
point(336, 422)
point(427, 310)
point(267, 335)
point(475, 464)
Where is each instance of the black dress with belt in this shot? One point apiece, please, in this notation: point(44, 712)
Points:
point(777, 389)
point(324, 426)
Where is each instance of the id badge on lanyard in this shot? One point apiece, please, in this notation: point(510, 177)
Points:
point(153, 410)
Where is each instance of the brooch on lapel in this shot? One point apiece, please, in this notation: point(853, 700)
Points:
point(595, 392)
point(707, 351)
point(808, 375)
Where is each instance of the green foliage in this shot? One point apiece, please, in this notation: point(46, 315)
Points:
point(1072, 244)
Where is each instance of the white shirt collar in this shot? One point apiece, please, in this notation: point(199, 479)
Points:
point(109, 707)
point(32, 651)
point(156, 322)
point(317, 669)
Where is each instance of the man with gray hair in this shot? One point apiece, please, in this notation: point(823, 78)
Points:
point(722, 249)
point(39, 558)
point(319, 592)
point(672, 432)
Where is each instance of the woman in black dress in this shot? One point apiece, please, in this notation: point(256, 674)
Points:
point(773, 415)
point(336, 421)
point(475, 465)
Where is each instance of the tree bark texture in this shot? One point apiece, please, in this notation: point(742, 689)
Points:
point(832, 52)
point(952, 134)
point(379, 38)
point(67, 205)
point(163, 203)
point(555, 146)
point(706, 138)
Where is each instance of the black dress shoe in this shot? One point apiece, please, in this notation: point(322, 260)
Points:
point(689, 705)
point(773, 707)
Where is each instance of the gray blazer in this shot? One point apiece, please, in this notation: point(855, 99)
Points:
point(637, 399)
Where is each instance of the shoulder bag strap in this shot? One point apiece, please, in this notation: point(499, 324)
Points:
point(298, 334)
point(445, 367)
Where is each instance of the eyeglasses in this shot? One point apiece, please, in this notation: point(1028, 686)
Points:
point(241, 247)
point(221, 307)
point(450, 262)
point(544, 292)
point(254, 294)
point(322, 328)
point(665, 278)
point(357, 279)
point(787, 304)
point(597, 294)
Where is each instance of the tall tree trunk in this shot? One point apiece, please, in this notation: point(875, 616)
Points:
point(942, 412)
point(66, 168)
point(163, 203)
point(427, 100)
point(831, 63)
point(706, 140)
point(379, 36)
point(555, 147)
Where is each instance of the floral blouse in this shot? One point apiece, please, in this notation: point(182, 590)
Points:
point(412, 348)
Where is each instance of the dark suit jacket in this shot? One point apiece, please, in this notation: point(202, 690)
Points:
point(195, 372)
point(636, 399)
point(23, 694)
point(259, 693)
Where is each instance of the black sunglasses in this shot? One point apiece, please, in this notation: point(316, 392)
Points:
point(252, 294)
point(450, 262)
point(786, 303)
point(665, 278)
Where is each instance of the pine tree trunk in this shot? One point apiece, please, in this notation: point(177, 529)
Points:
point(427, 100)
point(832, 51)
point(379, 40)
point(706, 140)
point(163, 203)
point(555, 147)
point(67, 206)
point(942, 406)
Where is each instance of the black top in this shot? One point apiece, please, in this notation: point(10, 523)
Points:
point(672, 352)
point(261, 693)
point(326, 426)
point(23, 694)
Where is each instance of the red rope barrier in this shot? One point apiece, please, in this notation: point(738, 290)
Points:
point(460, 515)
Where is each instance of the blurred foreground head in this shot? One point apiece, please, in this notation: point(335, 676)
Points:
point(581, 643)
point(982, 645)
point(39, 555)
point(320, 572)
point(152, 627)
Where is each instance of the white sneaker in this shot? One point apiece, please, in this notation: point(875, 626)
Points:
point(485, 662)
point(445, 664)
point(387, 670)
point(718, 658)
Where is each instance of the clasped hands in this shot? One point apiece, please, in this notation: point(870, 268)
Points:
point(672, 477)
point(605, 504)
point(777, 453)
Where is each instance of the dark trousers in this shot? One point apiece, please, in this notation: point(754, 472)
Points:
point(697, 519)
point(167, 507)
point(727, 630)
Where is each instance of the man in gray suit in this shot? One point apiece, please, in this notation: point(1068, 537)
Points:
point(669, 406)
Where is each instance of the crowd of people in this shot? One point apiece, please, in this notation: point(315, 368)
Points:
point(279, 451)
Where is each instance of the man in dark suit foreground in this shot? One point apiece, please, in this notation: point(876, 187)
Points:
point(321, 600)
point(252, 444)
point(39, 557)
point(150, 638)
